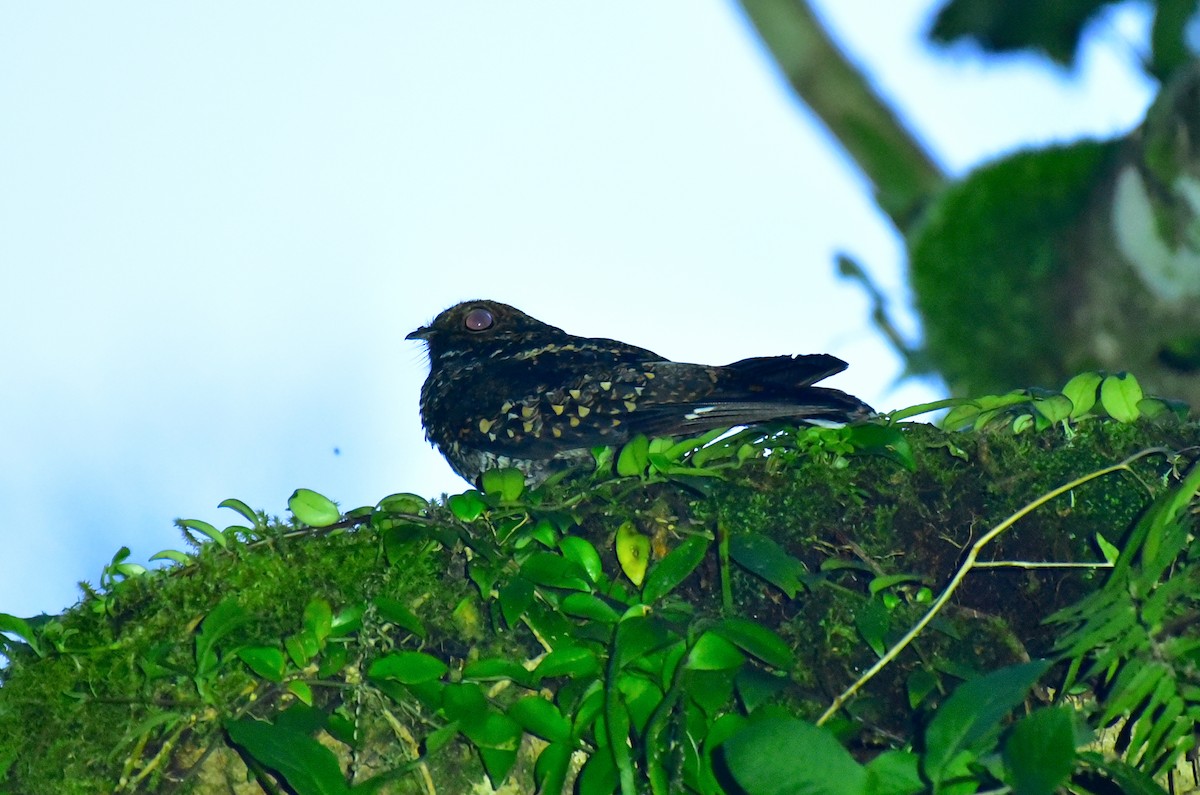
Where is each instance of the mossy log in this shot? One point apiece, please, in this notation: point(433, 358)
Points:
point(139, 688)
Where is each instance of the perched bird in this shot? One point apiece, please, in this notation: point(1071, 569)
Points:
point(505, 389)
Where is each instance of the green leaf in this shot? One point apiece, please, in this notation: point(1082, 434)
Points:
point(634, 457)
point(408, 667)
point(895, 773)
point(301, 690)
point(507, 483)
point(308, 767)
point(22, 629)
point(633, 552)
point(468, 506)
point(555, 571)
point(204, 527)
point(497, 762)
point(1055, 408)
point(762, 556)
point(756, 640)
point(960, 417)
point(172, 554)
point(1040, 752)
point(886, 581)
point(313, 509)
point(395, 611)
point(785, 756)
point(638, 635)
point(266, 661)
point(1119, 395)
point(582, 552)
point(920, 683)
point(242, 508)
point(599, 774)
point(515, 598)
point(540, 718)
point(674, 568)
point(973, 713)
point(318, 619)
point(404, 502)
point(888, 441)
point(572, 661)
point(586, 605)
point(713, 653)
point(550, 770)
point(1081, 391)
point(494, 669)
point(756, 687)
point(221, 620)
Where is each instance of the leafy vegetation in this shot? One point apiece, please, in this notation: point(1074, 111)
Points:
point(779, 610)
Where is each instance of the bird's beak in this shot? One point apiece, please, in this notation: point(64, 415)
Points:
point(420, 334)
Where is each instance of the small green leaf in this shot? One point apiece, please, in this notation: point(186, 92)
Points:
point(515, 598)
point(762, 556)
point(785, 756)
point(266, 661)
point(301, 647)
point(920, 684)
point(582, 552)
point(540, 718)
point(555, 571)
point(318, 619)
point(1119, 395)
point(550, 770)
point(404, 502)
point(22, 629)
point(507, 483)
point(313, 509)
point(633, 552)
point(204, 527)
point(1040, 752)
point(408, 667)
point(586, 605)
point(1108, 549)
point(884, 440)
point(394, 610)
point(960, 417)
point(468, 506)
point(242, 508)
point(227, 616)
point(674, 568)
point(634, 457)
point(347, 621)
point(1081, 391)
point(572, 661)
point(302, 691)
point(172, 554)
point(494, 669)
point(713, 653)
point(886, 581)
point(1055, 408)
point(756, 640)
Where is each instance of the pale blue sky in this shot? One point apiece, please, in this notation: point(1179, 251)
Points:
point(218, 221)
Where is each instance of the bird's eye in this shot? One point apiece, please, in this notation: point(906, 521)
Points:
point(478, 319)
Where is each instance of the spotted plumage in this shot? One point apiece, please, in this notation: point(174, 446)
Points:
point(505, 389)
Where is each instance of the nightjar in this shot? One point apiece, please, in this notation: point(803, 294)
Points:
point(505, 389)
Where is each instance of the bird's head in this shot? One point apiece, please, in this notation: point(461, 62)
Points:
point(472, 324)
